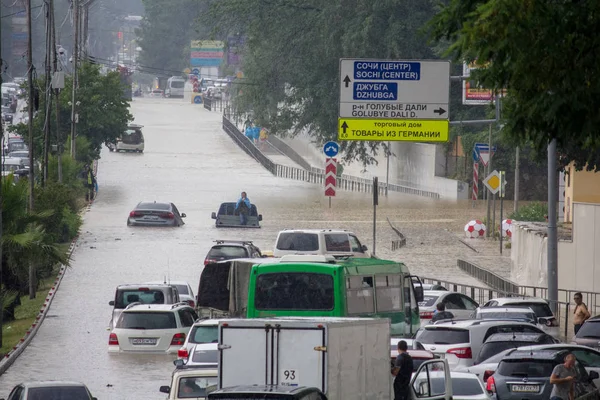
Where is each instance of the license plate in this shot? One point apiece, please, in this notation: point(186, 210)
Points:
point(144, 341)
point(525, 388)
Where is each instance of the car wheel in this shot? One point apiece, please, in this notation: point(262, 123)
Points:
point(128, 223)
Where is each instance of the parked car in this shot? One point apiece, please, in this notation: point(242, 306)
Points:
point(460, 305)
point(183, 289)
point(202, 355)
point(145, 294)
point(465, 386)
point(589, 333)
point(501, 312)
point(132, 140)
point(50, 390)
point(499, 342)
point(459, 341)
point(203, 331)
point(278, 392)
point(230, 250)
point(192, 383)
point(416, 350)
point(155, 214)
point(540, 307)
point(227, 217)
point(22, 154)
point(526, 374)
point(334, 242)
point(152, 328)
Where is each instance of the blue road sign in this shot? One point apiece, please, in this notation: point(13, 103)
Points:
point(198, 100)
point(331, 149)
point(484, 147)
point(196, 71)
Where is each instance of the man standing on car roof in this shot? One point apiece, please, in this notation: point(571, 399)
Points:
point(563, 379)
point(402, 371)
point(243, 206)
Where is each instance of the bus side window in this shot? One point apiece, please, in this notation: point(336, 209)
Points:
point(359, 298)
point(389, 293)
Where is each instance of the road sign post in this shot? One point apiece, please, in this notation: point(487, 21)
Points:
point(331, 149)
point(475, 181)
point(385, 100)
point(330, 178)
point(502, 192)
point(375, 204)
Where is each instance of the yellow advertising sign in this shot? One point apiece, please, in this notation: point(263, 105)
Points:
point(207, 44)
point(403, 130)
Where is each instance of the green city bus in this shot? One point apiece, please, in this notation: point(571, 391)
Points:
point(353, 287)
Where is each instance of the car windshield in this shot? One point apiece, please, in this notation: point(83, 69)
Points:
point(526, 368)
point(492, 348)
point(298, 241)
point(460, 386)
point(506, 315)
point(58, 393)
point(205, 356)
point(443, 336)
point(182, 289)
point(294, 291)
point(590, 329)
point(428, 301)
point(153, 206)
point(192, 387)
point(227, 252)
point(132, 136)
point(540, 309)
point(141, 295)
point(204, 334)
point(147, 320)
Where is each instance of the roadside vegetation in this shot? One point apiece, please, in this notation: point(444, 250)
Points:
point(41, 238)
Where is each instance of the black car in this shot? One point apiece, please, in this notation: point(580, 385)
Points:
point(526, 374)
point(266, 392)
point(499, 342)
point(230, 250)
point(148, 213)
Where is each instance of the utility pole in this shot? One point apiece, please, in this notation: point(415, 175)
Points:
point(59, 146)
point(73, 95)
point(490, 228)
point(552, 228)
point(48, 100)
point(1, 208)
point(517, 173)
point(30, 125)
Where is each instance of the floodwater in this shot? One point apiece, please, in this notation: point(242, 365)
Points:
point(191, 162)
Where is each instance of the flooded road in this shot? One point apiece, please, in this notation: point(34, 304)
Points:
point(189, 161)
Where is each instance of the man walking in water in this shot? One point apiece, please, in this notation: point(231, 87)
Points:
point(243, 206)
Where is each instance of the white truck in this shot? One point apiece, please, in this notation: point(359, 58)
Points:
point(346, 358)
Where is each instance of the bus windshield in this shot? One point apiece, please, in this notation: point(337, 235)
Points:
point(294, 291)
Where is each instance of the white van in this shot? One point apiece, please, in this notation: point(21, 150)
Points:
point(334, 242)
point(175, 87)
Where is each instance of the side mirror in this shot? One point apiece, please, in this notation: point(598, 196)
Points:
point(165, 389)
point(111, 303)
point(260, 217)
point(542, 321)
point(593, 375)
point(364, 248)
point(178, 363)
point(419, 293)
point(183, 215)
point(213, 215)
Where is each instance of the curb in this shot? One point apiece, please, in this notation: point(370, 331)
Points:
point(10, 357)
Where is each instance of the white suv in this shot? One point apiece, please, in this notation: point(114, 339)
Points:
point(459, 341)
point(152, 328)
point(334, 242)
point(545, 318)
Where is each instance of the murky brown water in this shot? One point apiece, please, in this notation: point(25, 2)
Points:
point(191, 162)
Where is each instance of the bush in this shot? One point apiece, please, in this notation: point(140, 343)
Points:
point(535, 211)
point(70, 171)
point(70, 222)
point(61, 201)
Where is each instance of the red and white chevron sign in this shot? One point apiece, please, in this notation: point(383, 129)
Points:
point(330, 176)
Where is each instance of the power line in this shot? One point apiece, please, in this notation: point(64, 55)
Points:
point(21, 11)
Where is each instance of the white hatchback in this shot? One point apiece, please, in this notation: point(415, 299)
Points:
point(203, 331)
point(183, 288)
point(151, 328)
point(460, 305)
point(545, 318)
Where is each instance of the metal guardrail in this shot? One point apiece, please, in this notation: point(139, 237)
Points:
point(401, 241)
point(207, 101)
point(288, 151)
point(248, 146)
point(490, 278)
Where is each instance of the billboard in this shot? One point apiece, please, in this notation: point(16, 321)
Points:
point(471, 93)
point(206, 53)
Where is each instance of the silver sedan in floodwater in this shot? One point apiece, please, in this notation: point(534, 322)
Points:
point(155, 214)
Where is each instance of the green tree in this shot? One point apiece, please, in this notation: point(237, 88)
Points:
point(292, 52)
point(544, 54)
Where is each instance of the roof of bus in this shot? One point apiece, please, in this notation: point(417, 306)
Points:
point(351, 265)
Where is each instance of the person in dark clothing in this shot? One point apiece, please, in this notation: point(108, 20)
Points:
point(402, 371)
point(441, 313)
point(243, 207)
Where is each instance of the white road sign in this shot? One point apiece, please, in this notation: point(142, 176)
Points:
point(384, 89)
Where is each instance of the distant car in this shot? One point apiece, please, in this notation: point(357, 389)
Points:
point(465, 386)
point(526, 374)
point(589, 333)
point(230, 250)
point(460, 305)
point(415, 349)
point(499, 342)
point(156, 93)
point(502, 312)
point(50, 390)
point(202, 355)
point(203, 331)
point(183, 288)
point(151, 328)
point(191, 382)
point(428, 286)
point(155, 214)
point(22, 154)
point(546, 319)
point(334, 242)
point(228, 217)
point(132, 140)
